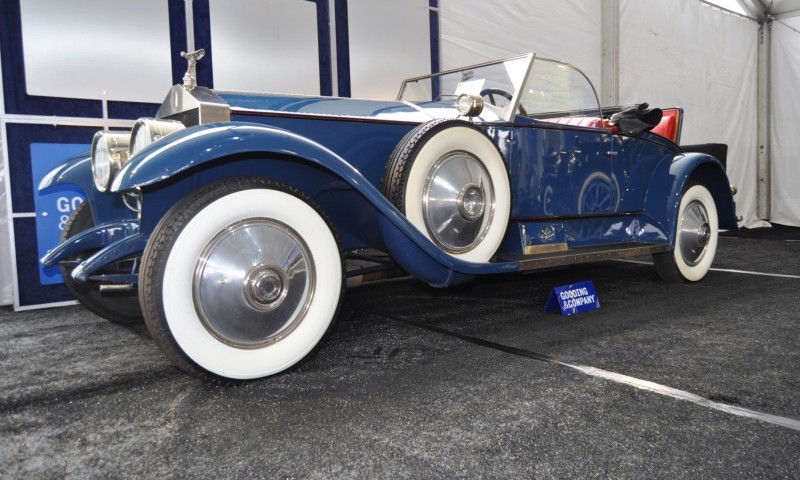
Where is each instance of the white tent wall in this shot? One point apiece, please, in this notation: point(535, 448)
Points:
point(785, 188)
point(671, 53)
point(682, 53)
point(474, 31)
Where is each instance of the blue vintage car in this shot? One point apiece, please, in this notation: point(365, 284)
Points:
point(226, 221)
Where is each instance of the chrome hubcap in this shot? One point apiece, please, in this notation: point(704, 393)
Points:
point(265, 287)
point(470, 202)
point(695, 233)
point(253, 283)
point(458, 202)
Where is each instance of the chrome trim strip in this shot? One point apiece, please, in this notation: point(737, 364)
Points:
point(546, 248)
point(585, 255)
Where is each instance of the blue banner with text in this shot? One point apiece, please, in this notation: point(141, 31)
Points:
point(54, 207)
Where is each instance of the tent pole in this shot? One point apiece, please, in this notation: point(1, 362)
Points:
point(609, 92)
point(764, 150)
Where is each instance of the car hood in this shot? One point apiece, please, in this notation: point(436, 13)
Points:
point(254, 103)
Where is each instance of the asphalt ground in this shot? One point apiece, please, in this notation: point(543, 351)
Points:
point(475, 381)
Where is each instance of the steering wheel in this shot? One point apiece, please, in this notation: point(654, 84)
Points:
point(491, 92)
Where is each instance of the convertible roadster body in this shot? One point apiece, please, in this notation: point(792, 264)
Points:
point(229, 216)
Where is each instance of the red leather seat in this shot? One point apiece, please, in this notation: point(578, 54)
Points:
point(668, 126)
point(591, 122)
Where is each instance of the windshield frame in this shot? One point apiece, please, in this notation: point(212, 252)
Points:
point(511, 110)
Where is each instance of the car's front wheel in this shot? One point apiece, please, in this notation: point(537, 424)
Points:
point(696, 234)
point(241, 279)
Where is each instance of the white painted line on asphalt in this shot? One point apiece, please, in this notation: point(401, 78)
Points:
point(781, 275)
point(682, 395)
point(728, 270)
point(612, 376)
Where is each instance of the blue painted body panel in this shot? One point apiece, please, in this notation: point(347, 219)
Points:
point(128, 247)
point(592, 186)
point(77, 170)
point(91, 239)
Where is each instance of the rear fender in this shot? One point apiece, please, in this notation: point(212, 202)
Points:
point(664, 198)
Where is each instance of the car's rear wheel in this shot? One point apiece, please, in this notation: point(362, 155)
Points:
point(449, 179)
point(121, 308)
point(696, 235)
point(241, 280)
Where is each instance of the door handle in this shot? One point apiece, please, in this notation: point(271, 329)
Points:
point(575, 151)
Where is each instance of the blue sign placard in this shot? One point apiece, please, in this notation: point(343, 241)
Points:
point(575, 298)
point(54, 207)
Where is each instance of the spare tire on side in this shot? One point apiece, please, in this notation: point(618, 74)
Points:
point(450, 180)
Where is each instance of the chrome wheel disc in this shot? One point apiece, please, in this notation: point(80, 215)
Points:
point(253, 283)
point(458, 202)
point(694, 232)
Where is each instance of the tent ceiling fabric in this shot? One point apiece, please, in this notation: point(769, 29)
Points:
point(793, 23)
point(782, 6)
point(771, 7)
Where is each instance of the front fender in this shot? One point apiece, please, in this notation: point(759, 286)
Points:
point(77, 170)
point(91, 239)
point(203, 144)
point(664, 198)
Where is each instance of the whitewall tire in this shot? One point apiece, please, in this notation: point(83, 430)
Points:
point(696, 236)
point(242, 279)
point(450, 180)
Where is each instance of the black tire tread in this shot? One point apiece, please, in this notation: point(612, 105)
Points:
point(395, 176)
point(667, 268)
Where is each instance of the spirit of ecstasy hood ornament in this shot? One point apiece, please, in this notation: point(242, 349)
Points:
point(190, 78)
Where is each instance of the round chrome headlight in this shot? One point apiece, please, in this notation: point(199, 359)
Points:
point(469, 105)
point(109, 153)
point(149, 130)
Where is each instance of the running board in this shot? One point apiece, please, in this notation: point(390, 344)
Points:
point(585, 255)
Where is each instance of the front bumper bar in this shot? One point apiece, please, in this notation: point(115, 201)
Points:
point(113, 242)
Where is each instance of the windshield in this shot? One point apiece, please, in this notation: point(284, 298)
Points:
point(556, 89)
point(537, 88)
point(498, 82)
